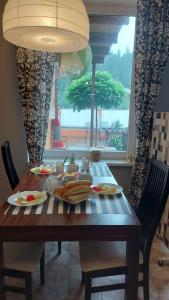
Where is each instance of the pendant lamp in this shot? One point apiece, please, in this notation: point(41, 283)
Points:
point(46, 25)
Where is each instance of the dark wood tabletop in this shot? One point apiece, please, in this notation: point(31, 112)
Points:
point(72, 226)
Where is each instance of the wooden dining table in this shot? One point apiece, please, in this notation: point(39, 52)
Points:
point(101, 217)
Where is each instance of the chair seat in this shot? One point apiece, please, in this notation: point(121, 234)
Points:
point(103, 255)
point(22, 256)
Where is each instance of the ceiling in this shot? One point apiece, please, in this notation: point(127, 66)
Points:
point(122, 7)
point(106, 19)
point(110, 2)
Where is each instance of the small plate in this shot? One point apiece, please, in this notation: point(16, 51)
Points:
point(69, 176)
point(107, 189)
point(84, 176)
point(39, 170)
point(13, 198)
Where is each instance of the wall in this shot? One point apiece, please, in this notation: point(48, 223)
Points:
point(160, 149)
point(11, 123)
point(163, 99)
point(160, 142)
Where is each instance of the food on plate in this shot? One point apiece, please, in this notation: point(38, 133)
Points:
point(96, 189)
point(74, 191)
point(105, 188)
point(42, 170)
point(29, 198)
point(78, 197)
point(73, 183)
point(59, 191)
point(78, 189)
point(70, 174)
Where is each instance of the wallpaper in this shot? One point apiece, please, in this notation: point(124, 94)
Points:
point(160, 149)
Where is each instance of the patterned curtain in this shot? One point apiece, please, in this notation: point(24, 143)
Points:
point(35, 75)
point(152, 51)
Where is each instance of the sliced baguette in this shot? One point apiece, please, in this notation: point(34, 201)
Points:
point(78, 197)
point(59, 191)
point(75, 190)
point(73, 183)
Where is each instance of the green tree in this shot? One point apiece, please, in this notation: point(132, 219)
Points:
point(119, 65)
point(109, 93)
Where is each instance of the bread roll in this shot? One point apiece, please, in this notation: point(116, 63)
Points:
point(71, 184)
point(80, 189)
point(59, 191)
point(78, 197)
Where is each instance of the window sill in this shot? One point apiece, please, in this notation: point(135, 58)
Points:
point(120, 163)
point(110, 163)
point(79, 153)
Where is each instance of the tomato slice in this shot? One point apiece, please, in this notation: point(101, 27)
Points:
point(97, 189)
point(31, 198)
point(43, 171)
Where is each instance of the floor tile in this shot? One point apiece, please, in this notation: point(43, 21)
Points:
point(63, 277)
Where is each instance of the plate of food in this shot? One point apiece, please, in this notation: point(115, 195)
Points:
point(107, 189)
point(27, 198)
point(42, 170)
point(69, 176)
point(74, 192)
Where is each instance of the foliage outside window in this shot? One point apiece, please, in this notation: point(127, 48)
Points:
point(109, 93)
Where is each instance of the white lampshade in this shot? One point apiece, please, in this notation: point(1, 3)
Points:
point(46, 25)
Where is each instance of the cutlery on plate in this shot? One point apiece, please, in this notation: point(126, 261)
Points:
point(65, 160)
point(61, 176)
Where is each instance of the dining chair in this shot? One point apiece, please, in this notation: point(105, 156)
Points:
point(101, 259)
point(153, 178)
point(9, 165)
point(20, 261)
point(11, 171)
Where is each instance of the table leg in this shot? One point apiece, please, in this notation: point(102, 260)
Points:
point(2, 292)
point(132, 260)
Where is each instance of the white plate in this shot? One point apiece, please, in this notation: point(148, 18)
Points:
point(13, 198)
point(68, 201)
point(118, 188)
point(37, 170)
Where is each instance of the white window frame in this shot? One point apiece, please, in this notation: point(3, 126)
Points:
point(129, 154)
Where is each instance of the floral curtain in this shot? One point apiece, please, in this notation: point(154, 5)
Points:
point(152, 51)
point(35, 76)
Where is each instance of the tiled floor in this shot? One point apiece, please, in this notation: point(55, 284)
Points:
point(63, 277)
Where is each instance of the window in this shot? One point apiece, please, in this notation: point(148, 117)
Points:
point(81, 117)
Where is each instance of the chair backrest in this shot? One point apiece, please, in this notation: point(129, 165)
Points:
point(153, 203)
point(8, 164)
